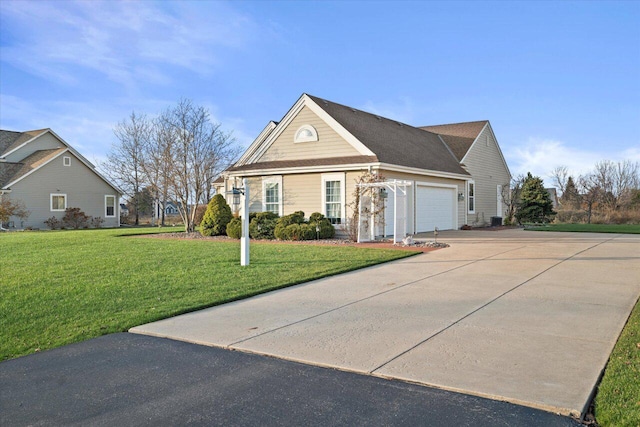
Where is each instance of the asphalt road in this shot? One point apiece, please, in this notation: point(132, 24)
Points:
point(126, 379)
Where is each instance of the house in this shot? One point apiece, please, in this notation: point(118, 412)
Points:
point(48, 175)
point(171, 208)
point(124, 210)
point(452, 174)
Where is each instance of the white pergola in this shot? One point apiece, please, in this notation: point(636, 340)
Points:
point(400, 208)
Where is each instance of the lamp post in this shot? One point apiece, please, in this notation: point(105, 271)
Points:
point(244, 239)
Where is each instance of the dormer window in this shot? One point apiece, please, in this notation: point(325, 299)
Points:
point(66, 160)
point(306, 133)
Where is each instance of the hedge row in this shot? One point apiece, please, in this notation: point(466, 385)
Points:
point(267, 225)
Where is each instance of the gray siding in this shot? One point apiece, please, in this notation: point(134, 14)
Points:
point(84, 190)
point(485, 164)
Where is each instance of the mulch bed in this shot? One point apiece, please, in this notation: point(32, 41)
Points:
point(325, 242)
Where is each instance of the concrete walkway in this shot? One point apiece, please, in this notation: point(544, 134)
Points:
point(526, 317)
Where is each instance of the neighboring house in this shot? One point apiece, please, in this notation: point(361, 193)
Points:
point(48, 175)
point(171, 209)
point(124, 210)
point(310, 160)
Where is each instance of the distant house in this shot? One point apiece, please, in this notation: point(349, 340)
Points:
point(171, 208)
point(309, 161)
point(43, 171)
point(124, 210)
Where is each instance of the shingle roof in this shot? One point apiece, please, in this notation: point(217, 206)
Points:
point(11, 173)
point(394, 142)
point(458, 136)
point(10, 139)
point(330, 161)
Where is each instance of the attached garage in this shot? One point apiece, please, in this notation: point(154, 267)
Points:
point(435, 207)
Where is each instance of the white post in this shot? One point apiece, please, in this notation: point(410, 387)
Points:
point(359, 212)
point(244, 240)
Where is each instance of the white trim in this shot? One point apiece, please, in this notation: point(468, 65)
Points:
point(256, 143)
point(27, 142)
point(115, 199)
point(51, 202)
point(418, 171)
point(341, 177)
point(66, 161)
point(313, 137)
point(277, 179)
point(475, 198)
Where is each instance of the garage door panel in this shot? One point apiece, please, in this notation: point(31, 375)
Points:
point(435, 208)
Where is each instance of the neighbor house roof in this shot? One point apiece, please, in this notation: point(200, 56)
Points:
point(10, 140)
point(11, 172)
point(458, 136)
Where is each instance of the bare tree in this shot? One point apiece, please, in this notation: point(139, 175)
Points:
point(511, 197)
point(157, 162)
point(616, 180)
point(559, 176)
point(199, 147)
point(125, 158)
point(590, 192)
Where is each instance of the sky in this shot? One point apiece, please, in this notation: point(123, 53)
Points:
point(559, 81)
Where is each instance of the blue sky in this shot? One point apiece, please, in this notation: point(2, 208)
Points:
point(559, 81)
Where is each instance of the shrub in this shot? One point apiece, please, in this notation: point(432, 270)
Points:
point(262, 225)
point(75, 218)
point(293, 227)
point(234, 228)
point(216, 218)
point(53, 223)
point(96, 222)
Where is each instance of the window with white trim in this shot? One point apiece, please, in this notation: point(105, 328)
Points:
point(109, 206)
point(333, 197)
point(306, 133)
point(471, 196)
point(66, 160)
point(58, 202)
point(272, 195)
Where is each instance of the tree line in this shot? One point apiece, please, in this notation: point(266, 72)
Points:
point(176, 155)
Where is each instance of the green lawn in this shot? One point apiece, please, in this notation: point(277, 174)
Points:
point(618, 399)
point(591, 228)
point(61, 287)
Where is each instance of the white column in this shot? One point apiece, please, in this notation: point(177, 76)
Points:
point(244, 240)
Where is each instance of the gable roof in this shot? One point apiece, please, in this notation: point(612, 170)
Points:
point(12, 172)
point(458, 136)
point(393, 142)
point(10, 140)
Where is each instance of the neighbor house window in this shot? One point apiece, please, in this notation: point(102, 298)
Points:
point(471, 196)
point(306, 133)
point(58, 202)
point(332, 196)
point(110, 206)
point(272, 195)
point(66, 160)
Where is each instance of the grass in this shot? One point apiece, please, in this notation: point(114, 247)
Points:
point(618, 399)
point(591, 228)
point(61, 287)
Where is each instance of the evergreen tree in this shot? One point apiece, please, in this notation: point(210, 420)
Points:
point(571, 197)
point(535, 203)
point(215, 219)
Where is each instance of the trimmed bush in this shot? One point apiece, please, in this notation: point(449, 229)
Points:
point(96, 222)
point(75, 218)
point(293, 227)
point(216, 217)
point(234, 228)
point(53, 223)
point(262, 225)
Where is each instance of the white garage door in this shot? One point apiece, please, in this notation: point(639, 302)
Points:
point(435, 207)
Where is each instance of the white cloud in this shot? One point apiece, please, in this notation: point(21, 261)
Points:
point(540, 156)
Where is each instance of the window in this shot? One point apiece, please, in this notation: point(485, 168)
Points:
point(332, 195)
point(66, 160)
point(272, 194)
point(471, 196)
point(306, 133)
point(110, 206)
point(58, 202)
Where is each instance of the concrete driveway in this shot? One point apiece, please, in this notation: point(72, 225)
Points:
point(526, 317)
